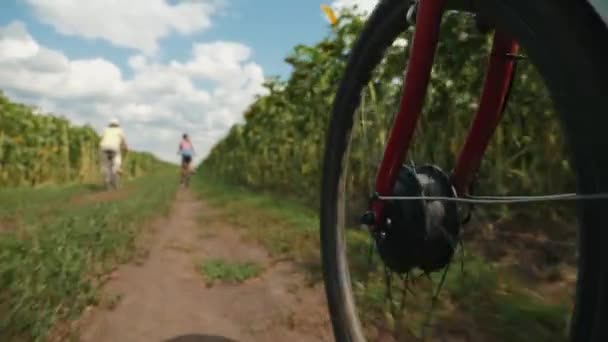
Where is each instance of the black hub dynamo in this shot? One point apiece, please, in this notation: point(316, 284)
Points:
point(419, 233)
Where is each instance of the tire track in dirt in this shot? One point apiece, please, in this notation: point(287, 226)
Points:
point(164, 298)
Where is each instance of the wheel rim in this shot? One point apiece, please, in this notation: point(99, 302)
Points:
point(342, 249)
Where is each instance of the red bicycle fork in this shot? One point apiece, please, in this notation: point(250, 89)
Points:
point(416, 79)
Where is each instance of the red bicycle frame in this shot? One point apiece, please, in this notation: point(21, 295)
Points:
point(496, 86)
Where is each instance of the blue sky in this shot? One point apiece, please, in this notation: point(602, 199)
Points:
point(271, 30)
point(162, 67)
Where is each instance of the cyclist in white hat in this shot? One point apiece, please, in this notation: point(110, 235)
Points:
point(112, 142)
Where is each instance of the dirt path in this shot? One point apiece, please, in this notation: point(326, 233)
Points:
point(164, 298)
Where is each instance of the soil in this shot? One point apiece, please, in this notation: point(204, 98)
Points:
point(165, 298)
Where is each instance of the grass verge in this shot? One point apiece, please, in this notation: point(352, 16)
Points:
point(286, 229)
point(22, 206)
point(217, 270)
point(486, 296)
point(51, 269)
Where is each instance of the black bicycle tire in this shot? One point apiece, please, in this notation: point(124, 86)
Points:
point(576, 76)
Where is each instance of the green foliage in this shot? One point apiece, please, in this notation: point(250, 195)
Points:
point(51, 268)
point(37, 149)
point(280, 146)
point(485, 293)
point(228, 272)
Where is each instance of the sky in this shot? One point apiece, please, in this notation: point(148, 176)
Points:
point(601, 6)
point(162, 67)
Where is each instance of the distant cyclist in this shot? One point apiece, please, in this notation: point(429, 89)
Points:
point(186, 150)
point(112, 142)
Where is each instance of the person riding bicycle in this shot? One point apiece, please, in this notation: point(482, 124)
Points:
point(112, 142)
point(186, 150)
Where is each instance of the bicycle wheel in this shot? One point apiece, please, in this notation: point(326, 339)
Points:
point(187, 179)
point(110, 179)
point(562, 38)
point(115, 180)
point(183, 176)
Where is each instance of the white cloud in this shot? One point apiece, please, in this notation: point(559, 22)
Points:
point(216, 61)
point(365, 6)
point(601, 7)
point(156, 105)
point(31, 68)
point(137, 24)
point(16, 43)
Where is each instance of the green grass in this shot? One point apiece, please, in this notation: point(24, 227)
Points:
point(26, 205)
point(493, 296)
point(484, 294)
point(217, 270)
point(51, 267)
point(285, 228)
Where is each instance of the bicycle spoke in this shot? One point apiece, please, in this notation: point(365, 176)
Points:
point(368, 130)
point(388, 277)
point(435, 297)
point(405, 289)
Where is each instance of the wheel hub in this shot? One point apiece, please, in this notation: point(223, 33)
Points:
point(419, 233)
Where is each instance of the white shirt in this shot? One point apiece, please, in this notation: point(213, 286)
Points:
point(112, 138)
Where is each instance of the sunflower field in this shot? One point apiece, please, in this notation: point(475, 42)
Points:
point(280, 145)
point(42, 149)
